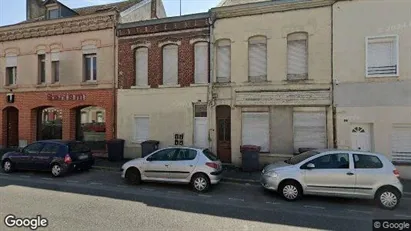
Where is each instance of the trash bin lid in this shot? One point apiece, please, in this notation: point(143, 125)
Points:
point(151, 142)
point(250, 148)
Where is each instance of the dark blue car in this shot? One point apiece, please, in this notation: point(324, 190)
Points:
point(57, 156)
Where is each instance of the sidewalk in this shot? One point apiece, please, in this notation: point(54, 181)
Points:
point(231, 173)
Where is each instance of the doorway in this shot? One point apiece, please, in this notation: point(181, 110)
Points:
point(49, 123)
point(223, 118)
point(361, 137)
point(11, 118)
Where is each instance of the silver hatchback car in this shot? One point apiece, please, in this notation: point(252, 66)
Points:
point(340, 173)
point(199, 167)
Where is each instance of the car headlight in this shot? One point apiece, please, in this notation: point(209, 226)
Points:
point(271, 174)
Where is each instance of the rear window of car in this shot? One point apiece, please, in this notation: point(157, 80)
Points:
point(210, 155)
point(78, 147)
point(367, 161)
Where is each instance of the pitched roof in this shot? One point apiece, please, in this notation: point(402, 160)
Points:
point(120, 6)
point(238, 2)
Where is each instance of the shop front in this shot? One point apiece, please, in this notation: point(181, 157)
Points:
point(68, 115)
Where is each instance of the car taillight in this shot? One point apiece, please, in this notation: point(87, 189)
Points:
point(396, 173)
point(212, 165)
point(67, 159)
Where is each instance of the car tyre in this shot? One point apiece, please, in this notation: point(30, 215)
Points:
point(290, 191)
point(56, 170)
point(7, 166)
point(133, 176)
point(388, 198)
point(200, 183)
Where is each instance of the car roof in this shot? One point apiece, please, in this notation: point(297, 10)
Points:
point(57, 141)
point(330, 150)
point(188, 147)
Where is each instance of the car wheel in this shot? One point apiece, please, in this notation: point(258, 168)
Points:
point(133, 176)
point(290, 190)
point(388, 198)
point(56, 170)
point(7, 166)
point(200, 182)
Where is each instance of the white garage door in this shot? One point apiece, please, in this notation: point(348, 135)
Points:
point(309, 130)
point(256, 129)
point(201, 132)
point(401, 144)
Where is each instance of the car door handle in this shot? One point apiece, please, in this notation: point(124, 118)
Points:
point(350, 173)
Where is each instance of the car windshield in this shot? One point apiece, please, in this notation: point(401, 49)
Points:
point(301, 157)
point(210, 155)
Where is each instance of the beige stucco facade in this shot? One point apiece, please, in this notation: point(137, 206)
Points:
point(277, 95)
point(376, 103)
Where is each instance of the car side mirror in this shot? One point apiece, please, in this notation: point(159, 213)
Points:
point(310, 166)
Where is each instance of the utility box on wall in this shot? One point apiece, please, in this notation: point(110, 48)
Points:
point(179, 139)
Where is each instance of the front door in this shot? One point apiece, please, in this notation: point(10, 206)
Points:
point(332, 175)
point(224, 133)
point(360, 137)
point(183, 164)
point(157, 164)
point(12, 118)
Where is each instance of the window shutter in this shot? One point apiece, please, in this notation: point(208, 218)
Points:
point(382, 56)
point(257, 59)
point(170, 65)
point(223, 61)
point(142, 66)
point(141, 128)
point(201, 62)
point(256, 130)
point(11, 61)
point(310, 130)
point(297, 59)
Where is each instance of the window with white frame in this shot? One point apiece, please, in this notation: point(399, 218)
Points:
point(141, 56)
point(170, 64)
point(223, 61)
point(55, 66)
point(297, 56)
point(141, 128)
point(11, 70)
point(201, 62)
point(257, 59)
point(90, 67)
point(382, 56)
point(256, 129)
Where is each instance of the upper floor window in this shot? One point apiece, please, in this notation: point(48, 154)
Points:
point(141, 56)
point(55, 66)
point(223, 61)
point(41, 68)
point(257, 59)
point(382, 56)
point(53, 13)
point(201, 62)
point(90, 64)
point(11, 70)
point(297, 56)
point(170, 64)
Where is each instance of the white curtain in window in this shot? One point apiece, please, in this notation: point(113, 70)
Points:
point(170, 65)
point(223, 61)
point(141, 128)
point(257, 58)
point(201, 62)
point(142, 66)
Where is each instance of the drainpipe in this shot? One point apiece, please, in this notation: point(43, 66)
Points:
point(211, 79)
point(334, 113)
point(114, 111)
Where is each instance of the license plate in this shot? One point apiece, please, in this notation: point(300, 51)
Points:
point(82, 157)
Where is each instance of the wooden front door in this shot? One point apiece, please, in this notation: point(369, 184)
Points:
point(12, 117)
point(224, 133)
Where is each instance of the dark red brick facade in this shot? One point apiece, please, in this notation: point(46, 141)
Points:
point(182, 32)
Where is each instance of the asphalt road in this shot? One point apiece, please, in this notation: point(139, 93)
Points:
point(101, 201)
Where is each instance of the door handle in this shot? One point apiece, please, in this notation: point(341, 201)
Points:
point(350, 173)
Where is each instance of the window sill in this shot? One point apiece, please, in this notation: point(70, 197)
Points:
point(169, 86)
point(298, 81)
point(89, 83)
point(140, 87)
point(381, 76)
point(41, 85)
point(54, 85)
point(257, 82)
point(199, 85)
point(13, 86)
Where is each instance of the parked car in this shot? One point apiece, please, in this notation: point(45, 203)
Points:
point(198, 167)
point(341, 173)
point(56, 156)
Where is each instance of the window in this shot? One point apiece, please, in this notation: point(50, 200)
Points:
point(170, 65)
point(382, 56)
point(141, 129)
point(366, 161)
point(223, 61)
point(11, 70)
point(100, 117)
point(211, 156)
point(201, 62)
point(53, 14)
point(257, 59)
point(256, 129)
point(55, 66)
point(224, 129)
point(141, 66)
point(50, 149)
point(185, 154)
point(90, 63)
point(297, 56)
point(42, 68)
point(84, 117)
point(331, 161)
point(301, 157)
point(33, 148)
point(200, 110)
point(163, 155)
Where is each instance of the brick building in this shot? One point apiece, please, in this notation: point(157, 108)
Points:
point(58, 70)
point(163, 76)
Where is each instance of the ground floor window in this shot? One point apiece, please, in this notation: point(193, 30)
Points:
point(50, 123)
point(256, 129)
point(141, 128)
point(309, 129)
point(91, 126)
point(200, 126)
point(401, 143)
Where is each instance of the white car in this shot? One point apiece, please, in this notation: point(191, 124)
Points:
point(199, 167)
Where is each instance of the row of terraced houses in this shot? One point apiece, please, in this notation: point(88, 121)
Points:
point(284, 75)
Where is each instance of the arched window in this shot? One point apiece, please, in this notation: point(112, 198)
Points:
point(223, 61)
point(297, 56)
point(201, 62)
point(170, 64)
point(141, 59)
point(257, 59)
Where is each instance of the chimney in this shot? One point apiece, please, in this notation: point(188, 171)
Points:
point(35, 9)
point(153, 9)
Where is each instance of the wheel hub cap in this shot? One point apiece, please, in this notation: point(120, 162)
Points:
point(56, 170)
point(7, 166)
point(200, 184)
point(290, 192)
point(388, 199)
